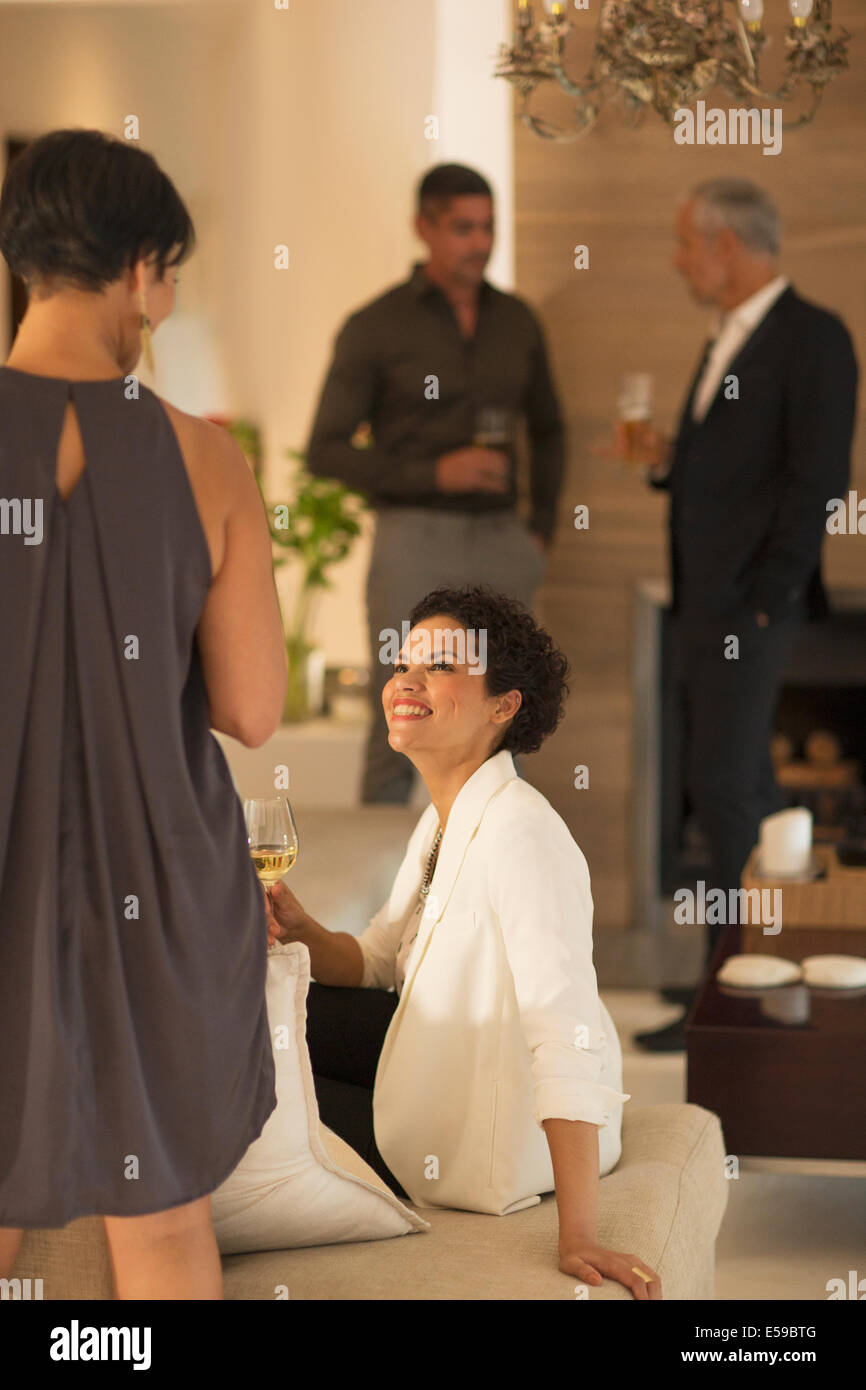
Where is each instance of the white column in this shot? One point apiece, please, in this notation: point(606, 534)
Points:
point(475, 110)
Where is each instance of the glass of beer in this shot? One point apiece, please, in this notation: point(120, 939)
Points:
point(634, 409)
point(272, 837)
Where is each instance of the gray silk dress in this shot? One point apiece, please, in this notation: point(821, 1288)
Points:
point(135, 1057)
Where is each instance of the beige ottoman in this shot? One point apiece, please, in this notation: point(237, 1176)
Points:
point(664, 1202)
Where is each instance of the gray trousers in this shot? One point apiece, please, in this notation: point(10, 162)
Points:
point(417, 549)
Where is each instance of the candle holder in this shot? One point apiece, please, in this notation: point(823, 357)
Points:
point(663, 55)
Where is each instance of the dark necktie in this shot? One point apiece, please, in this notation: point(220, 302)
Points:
point(686, 421)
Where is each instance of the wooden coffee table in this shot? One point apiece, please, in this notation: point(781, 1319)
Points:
point(784, 1072)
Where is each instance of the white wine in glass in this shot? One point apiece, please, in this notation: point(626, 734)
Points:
point(272, 837)
point(272, 862)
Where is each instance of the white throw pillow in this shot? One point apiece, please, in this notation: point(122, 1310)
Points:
point(299, 1184)
point(835, 972)
point(758, 972)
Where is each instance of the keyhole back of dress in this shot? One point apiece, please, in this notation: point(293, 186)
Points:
point(70, 453)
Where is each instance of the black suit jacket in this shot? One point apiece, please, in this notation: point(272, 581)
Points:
point(750, 483)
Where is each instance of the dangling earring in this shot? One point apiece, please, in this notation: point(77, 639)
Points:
point(146, 338)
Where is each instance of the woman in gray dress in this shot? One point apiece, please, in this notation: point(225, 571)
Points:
point(138, 612)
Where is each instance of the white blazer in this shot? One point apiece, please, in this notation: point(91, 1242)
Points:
point(499, 1024)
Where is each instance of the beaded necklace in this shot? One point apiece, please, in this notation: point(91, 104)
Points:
point(431, 865)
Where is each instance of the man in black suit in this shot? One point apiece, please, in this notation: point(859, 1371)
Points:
point(763, 443)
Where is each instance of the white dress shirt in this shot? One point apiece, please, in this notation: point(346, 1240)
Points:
point(499, 1024)
point(733, 330)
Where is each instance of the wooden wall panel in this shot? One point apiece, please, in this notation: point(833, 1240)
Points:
point(616, 191)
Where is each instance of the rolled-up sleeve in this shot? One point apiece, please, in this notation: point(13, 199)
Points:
point(378, 943)
point(541, 893)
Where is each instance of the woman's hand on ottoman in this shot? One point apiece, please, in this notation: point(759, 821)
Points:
point(591, 1263)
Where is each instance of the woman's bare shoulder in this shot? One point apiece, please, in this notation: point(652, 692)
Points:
point(204, 443)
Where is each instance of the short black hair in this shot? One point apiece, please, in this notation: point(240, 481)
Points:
point(79, 207)
point(520, 656)
point(446, 181)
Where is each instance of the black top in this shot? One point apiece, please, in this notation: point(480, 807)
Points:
point(750, 483)
point(136, 1058)
point(384, 359)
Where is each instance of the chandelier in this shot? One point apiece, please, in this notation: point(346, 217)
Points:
point(665, 54)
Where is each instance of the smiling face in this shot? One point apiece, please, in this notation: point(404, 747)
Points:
point(437, 704)
point(460, 238)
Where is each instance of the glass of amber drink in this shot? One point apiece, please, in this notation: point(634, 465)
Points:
point(634, 410)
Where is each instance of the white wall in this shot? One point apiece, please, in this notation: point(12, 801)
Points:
point(327, 137)
point(304, 127)
point(84, 65)
point(476, 111)
point(331, 102)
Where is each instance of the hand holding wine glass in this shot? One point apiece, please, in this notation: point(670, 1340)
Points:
point(483, 465)
point(287, 920)
point(273, 840)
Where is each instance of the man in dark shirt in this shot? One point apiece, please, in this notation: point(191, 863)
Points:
point(433, 366)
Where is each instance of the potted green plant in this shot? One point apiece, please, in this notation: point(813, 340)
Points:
point(317, 528)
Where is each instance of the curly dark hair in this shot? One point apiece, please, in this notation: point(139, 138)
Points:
point(520, 656)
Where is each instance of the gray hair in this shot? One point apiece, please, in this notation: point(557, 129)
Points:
point(746, 209)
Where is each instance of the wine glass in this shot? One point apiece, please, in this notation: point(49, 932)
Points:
point(634, 408)
point(272, 837)
point(493, 428)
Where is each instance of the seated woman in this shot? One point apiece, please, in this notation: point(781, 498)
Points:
point(493, 1074)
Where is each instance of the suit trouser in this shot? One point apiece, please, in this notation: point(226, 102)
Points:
point(417, 549)
point(346, 1028)
point(730, 707)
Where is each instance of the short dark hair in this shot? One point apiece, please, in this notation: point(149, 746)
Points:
point(79, 207)
point(446, 181)
point(520, 656)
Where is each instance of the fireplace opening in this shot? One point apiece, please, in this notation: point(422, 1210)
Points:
point(818, 748)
